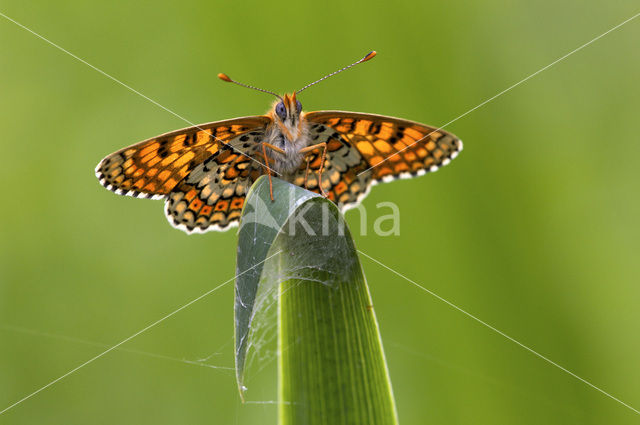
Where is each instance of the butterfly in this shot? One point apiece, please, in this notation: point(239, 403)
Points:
point(203, 173)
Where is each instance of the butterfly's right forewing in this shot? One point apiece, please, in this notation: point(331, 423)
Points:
point(154, 167)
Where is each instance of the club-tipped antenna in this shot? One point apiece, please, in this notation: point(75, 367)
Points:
point(225, 77)
point(368, 56)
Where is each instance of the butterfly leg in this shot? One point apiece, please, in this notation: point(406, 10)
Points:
point(264, 152)
point(306, 172)
point(274, 148)
point(268, 169)
point(324, 155)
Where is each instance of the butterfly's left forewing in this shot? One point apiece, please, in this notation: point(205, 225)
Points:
point(389, 147)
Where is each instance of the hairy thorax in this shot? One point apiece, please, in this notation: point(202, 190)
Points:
point(291, 139)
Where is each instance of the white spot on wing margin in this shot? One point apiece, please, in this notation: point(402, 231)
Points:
point(184, 228)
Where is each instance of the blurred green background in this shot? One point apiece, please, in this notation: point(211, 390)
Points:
point(534, 228)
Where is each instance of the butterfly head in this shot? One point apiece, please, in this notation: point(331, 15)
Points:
point(287, 114)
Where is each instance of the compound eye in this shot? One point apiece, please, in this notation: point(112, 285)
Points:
point(281, 111)
point(298, 106)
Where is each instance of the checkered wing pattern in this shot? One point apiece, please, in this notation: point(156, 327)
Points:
point(211, 197)
point(343, 163)
point(203, 172)
point(394, 147)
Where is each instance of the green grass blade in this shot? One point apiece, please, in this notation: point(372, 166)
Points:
point(331, 366)
point(261, 222)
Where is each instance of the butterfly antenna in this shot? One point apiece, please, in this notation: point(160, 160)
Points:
point(225, 77)
point(368, 56)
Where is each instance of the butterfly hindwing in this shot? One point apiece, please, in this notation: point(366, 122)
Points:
point(154, 167)
point(343, 163)
point(394, 147)
point(211, 197)
point(205, 172)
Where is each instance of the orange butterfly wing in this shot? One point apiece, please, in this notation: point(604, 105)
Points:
point(211, 197)
point(394, 147)
point(152, 168)
point(204, 172)
point(344, 177)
